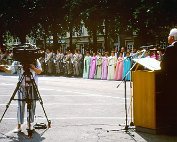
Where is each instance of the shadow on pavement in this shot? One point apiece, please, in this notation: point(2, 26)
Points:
point(22, 137)
point(157, 138)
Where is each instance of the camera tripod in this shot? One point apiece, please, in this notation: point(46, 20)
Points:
point(29, 83)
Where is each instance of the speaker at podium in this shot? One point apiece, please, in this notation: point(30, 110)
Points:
point(151, 108)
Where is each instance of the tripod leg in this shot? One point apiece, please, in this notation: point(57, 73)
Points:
point(40, 100)
point(12, 98)
point(29, 110)
point(28, 101)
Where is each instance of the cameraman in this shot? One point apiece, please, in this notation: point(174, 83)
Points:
point(35, 68)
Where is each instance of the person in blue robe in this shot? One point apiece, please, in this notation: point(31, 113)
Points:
point(127, 66)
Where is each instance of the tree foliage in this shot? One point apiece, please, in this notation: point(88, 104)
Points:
point(150, 19)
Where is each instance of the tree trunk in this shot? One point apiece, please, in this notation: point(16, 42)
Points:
point(55, 37)
point(45, 41)
point(106, 36)
point(22, 38)
point(1, 40)
point(94, 33)
point(71, 36)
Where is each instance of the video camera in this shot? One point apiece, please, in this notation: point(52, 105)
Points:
point(27, 54)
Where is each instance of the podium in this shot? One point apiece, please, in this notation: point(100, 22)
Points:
point(151, 106)
point(144, 101)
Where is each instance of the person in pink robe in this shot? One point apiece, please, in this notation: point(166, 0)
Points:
point(92, 66)
point(119, 67)
point(104, 67)
point(154, 54)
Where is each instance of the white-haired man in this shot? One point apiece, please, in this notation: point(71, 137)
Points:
point(169, 70)
point(170, 56)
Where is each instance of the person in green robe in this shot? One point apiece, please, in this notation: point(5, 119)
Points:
point(86, 65)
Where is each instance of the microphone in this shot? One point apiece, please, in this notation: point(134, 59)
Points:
point(148, 46)
point(138, 52)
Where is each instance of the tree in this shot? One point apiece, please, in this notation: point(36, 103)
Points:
point(73, 18)
point(153, 18)
point(3, 14)
point(50, 16)
point(148, 18)
point(20, 17)
point(115, 15)
point(92, 18)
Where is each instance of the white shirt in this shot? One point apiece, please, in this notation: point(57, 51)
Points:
point(16, 67)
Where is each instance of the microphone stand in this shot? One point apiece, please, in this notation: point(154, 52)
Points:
point(125, 92)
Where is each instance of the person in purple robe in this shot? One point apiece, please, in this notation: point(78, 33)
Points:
point(92, 66)
point(104, 67)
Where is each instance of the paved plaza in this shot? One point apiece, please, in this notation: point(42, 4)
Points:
point(80, 110)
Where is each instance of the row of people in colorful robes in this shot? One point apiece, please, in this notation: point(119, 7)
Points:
point(107, 67)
